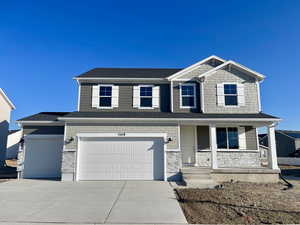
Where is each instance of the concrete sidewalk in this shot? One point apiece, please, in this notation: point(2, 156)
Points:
point(120, 202)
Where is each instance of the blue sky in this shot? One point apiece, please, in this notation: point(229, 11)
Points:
point(43, 44)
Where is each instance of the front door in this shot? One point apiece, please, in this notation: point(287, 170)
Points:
point(187, 144)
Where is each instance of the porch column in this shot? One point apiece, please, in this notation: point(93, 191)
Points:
point(272, 155)
point(213, 146)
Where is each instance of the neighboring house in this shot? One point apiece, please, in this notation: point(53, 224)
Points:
point(6, 107)
point(287, 142)
point(150, 124)
point(13, 140)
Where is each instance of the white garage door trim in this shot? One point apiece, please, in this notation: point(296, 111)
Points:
point(122, 135)
point(39, 137)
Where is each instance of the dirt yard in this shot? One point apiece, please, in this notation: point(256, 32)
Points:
point(242, 203)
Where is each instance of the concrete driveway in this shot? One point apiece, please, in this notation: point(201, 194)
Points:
point(36, 201)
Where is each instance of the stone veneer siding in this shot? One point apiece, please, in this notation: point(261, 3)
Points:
point(173, 162)
point(230, 159)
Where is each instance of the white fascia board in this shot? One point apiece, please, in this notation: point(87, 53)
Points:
point(172, 119)
point(188, 69)
point(7, 99)
point(259, 76)
point(41, 122)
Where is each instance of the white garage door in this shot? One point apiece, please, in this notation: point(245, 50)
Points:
point(120, 159)
point(43, 155)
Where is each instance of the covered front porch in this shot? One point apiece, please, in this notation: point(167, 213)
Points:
point(229, 150)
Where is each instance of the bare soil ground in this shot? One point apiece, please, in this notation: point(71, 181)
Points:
point(242, 203)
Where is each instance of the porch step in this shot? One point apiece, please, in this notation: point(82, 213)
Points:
point(196, 177)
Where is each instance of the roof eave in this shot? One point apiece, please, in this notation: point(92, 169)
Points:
point(171, 119)
point(115, 78)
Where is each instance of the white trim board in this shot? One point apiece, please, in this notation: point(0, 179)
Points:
point(48, 123)
point(230, 62)
point(194, 96)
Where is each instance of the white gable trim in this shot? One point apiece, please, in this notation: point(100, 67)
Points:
point(194, 66)
point(230, 62)
point(7, 99)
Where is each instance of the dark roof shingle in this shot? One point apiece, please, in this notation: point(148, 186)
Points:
point(43, 116)
point(129, 73)
point(53, 116)
point(291, 133)
point(166, 115)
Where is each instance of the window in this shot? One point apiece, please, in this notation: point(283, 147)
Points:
point(105, 96)
point(146, 96)
point(230, 94)
point(188, 96)
point(227, 138)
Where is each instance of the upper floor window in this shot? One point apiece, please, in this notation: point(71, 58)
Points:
point(187, 96)
point(227, 138)
point(105, 97)
point(146, 96)
point(230, 94)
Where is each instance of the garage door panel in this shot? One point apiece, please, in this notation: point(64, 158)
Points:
point(43, 157)
point(120, 159)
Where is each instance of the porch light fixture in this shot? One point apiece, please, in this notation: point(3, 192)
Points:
point(69, 140)
point(169, 139)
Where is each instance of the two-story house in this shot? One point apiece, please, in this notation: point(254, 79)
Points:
point(154, 124)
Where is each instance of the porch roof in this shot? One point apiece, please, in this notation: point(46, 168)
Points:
point(164, 115)
point(62, 116)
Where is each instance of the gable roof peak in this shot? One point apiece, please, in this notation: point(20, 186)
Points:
point(257, 75)
point(194, 66)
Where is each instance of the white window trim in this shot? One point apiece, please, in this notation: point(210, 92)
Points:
point(105, 85)
point(231, 106)
point(194, 95)
point(141, 107)
point(230, 149)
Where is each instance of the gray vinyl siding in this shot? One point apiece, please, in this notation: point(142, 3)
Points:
point(196, 72)
point(203, 137)
point(43, 130)
point(224, 76)
point(170, 129)
point(204, 142)
point(176, 98)
point(251, 138)
point(125, 99)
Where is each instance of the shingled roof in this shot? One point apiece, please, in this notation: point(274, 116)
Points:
point(129, 73)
